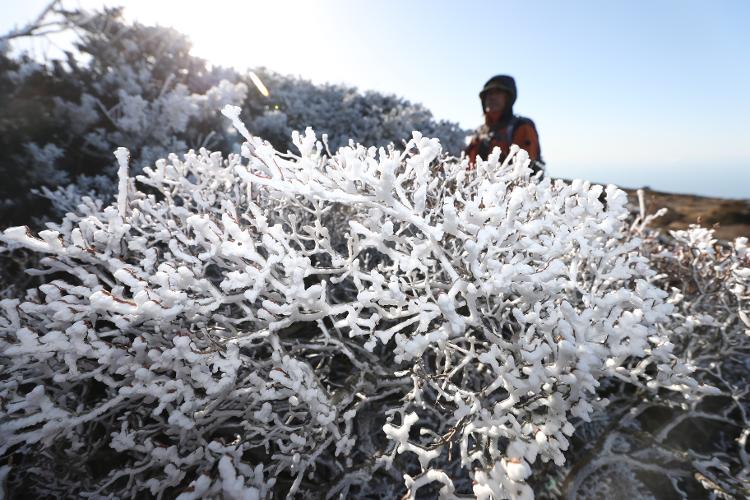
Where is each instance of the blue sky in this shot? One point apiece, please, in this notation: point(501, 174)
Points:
point(636, 93)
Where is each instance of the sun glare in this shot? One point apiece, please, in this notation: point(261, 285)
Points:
point(280, 35)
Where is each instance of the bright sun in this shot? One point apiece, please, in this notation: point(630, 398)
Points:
point(281, 35)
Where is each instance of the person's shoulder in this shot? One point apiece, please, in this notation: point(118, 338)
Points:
point(523, 120)
point(523, 124)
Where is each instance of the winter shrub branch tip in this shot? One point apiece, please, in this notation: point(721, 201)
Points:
point(250, 324)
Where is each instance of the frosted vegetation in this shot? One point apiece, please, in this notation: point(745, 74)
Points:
point(136, 86)
point(371, 320)
point(346, 320)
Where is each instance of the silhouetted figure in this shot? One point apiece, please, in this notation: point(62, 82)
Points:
point(501, 127)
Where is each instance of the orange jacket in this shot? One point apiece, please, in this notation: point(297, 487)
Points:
point(519, 130)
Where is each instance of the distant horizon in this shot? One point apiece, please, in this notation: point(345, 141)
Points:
point(635, 94)
point(669, 181)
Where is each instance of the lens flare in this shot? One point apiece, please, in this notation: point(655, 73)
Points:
point(258, 83)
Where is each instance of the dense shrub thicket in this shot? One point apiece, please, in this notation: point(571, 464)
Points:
point(368, 323)
point(135, 86)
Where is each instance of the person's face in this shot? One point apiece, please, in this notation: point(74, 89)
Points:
point(495, 101)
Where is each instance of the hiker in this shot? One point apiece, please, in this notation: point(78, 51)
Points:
point(501, 127)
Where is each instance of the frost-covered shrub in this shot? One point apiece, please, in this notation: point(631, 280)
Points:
point(136, 86)
point(698, 447)
point(710, 285)
point(345, 114)
point(141, 89)
point(128, 85)
point(649, 445)
point(30, 148)
point(376, 321)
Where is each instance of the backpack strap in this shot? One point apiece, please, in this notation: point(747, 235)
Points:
point(510, 129)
